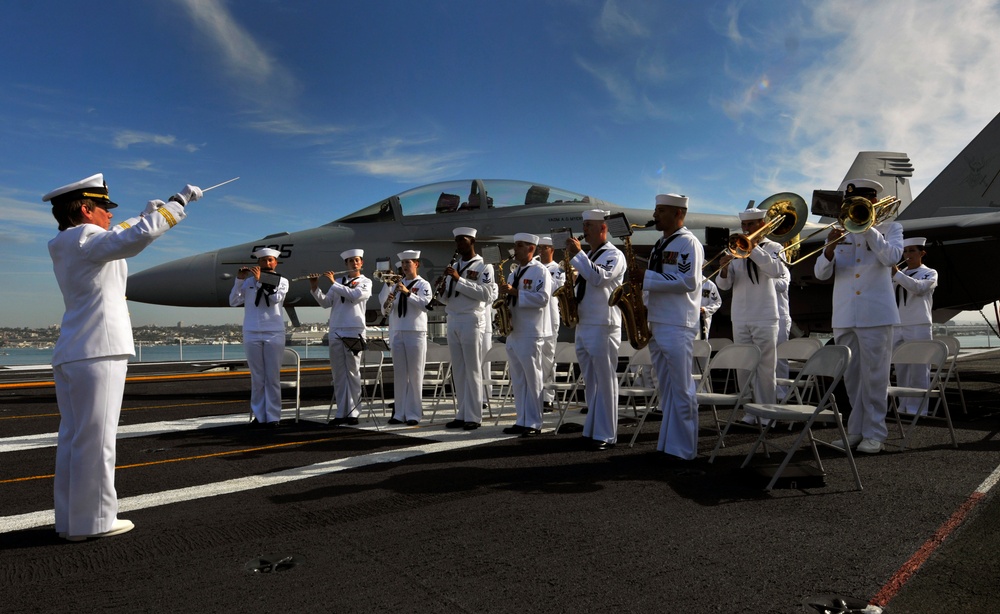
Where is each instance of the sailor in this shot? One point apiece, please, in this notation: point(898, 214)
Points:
point(864, 314)
point(527, 293)
point(672, 284)
point(711, 301)
point(408, 337)
point(90, 358)
point(346, 299)
point(781, 285)
point(262, 296)
point(546, 255)
point(914, 287)
point(599, 331)
point(468, 292)
point(754, 302)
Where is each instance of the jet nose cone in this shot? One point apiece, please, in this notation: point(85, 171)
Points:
point(188, 282)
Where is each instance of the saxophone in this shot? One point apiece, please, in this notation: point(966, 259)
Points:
point(502, 323)
point(569, 313)
point(628, 298)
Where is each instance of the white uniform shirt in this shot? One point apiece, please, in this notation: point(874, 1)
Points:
point(602, 270)
point(469, 297)
point(530, 315)
point(346, 301)
point(781, 285)
point(414, 305)
point(915, 294)
point(673, 293)
point(91, 272)
point(263, 315)
point(558, 279)
point(862, 272)
point(751, 279)
point(711, 300)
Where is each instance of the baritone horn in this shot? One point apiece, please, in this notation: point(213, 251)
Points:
point(786, 215)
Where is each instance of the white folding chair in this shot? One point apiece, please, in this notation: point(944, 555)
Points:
point(290, 358)
point(737, 356)
point(499, 379)
point(934, 354)
point(702, 352)
point(954, 348)
point(638, 385)
point(796, 351)
point(437, 376)
point(828, 362)
point(567, 382)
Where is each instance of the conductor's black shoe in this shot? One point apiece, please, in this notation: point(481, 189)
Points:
point(470, 426)
point(394, 421)
point(517, 429)
point(350, 421)
point(412, 422)
point(455, 424)
point(603, 445)
point(530, 432)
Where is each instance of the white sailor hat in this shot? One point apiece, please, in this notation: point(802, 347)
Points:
point(353, 253)
point(464, 231)
point(525, 237)
point(752, 214)
point(673, 200)
point(852, 185)
point(595, 215)
point(410, 254)
point(92, 187)
point(918, 241)
point(264, 252)
point(546, 240)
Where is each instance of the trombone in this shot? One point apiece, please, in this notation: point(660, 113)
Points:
point(786, 216)
point(857, 215)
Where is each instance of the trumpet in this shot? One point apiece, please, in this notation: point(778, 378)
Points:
point(387, 277)
point(318, 275)
point(857, 215)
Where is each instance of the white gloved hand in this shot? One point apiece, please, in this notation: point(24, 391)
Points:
point(152, 206)
point(189, 194)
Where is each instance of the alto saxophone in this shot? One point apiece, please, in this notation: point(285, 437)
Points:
point(628, 298)
point(569, 313)
point(502, 323)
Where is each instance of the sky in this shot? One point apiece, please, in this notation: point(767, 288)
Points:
point(322, 108)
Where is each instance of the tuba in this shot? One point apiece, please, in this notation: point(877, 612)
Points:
point(628, 298)
point(502, 323)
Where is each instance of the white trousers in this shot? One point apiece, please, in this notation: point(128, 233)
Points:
point(781, 369)
point(597, 354)
point(913, 376)
point(345, 366)
point(763, 334)
point(548, 366)
point(672, 350)
point(465, 343)
point(867, 378)
point(264, 351)
point(524, 355)
point(409, 353)
point(89, 394)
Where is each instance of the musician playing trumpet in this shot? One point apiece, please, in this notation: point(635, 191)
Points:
point(346, 299)
point(408, 337)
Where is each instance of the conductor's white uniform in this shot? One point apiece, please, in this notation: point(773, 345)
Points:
point(408, 343)
point(863, 316)
point(263, 342)
point(346, 301)
point(915, 301)
point(531, 324)
point(672, 285)
point(90, 360)
point(598, 336)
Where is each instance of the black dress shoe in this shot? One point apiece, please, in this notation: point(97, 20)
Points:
point(530, 432)
point(394, 421)
point(254, 423)
point(517, 429)
point(412, 422)
point(547, 408)
point(584, 410)
point(350, 421)
point(603, 445)
point(471, 426)
point(273, 425)
point(455, 424)
point(337, 421)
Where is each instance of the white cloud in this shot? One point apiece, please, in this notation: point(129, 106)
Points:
point(123, 139)
point(291, 127)
point(392, 158)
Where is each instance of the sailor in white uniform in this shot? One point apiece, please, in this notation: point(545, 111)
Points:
point(546, 255)
point(599, 332)
point(95, 341)
point(914, 287)
point(863, 315)
point(527, 294)
point(263, 332)
point(754, 302)
point(711, 301)
point(672, 286)
point(781, 285)
point(408, 337)
point(346, 299)
point(468, 293)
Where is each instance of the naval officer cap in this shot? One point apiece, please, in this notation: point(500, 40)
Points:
point(546, 240)
point(264, 252)
point(92, 187)
point(410, 254)
point(595, 215)
point(353, 253)
point(859, 186)
point(525, 237)
point(915, 242)
point(672, 200)
point(464, 231)
point(752, 214)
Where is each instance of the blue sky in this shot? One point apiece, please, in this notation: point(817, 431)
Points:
point(325, 107)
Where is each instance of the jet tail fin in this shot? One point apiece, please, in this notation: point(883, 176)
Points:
point(293, 315)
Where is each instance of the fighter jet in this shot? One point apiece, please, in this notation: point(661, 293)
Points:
point(957, 213)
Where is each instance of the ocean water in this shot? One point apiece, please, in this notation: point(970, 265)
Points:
point(157, 353)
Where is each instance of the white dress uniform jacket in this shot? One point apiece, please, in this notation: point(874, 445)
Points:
point(263, 343)
point(915, 301)
point(346, 301)
point(711, 301)
point(531, 324)
point(672, 285)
